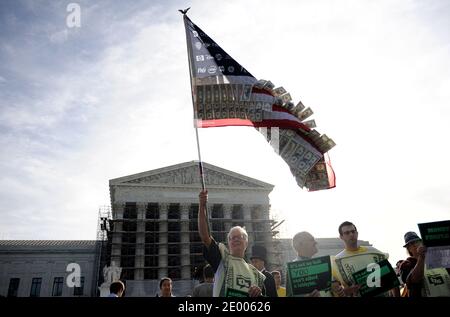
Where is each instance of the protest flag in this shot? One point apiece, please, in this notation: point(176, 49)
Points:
point(224, 93)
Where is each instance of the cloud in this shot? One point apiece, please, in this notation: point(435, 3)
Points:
point(59, 37)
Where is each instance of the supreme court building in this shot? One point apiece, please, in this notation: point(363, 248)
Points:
point(153, 231)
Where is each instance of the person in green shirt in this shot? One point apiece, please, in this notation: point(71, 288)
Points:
point(234, 277)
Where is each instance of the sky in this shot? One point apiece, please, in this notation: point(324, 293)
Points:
point(110, 98)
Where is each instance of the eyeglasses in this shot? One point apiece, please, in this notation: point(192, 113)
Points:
point(237, 237)
point(349, 232)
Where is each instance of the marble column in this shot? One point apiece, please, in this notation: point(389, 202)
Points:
point(162, 254)
point(247, 211)
point(140, 242)
point(227, 213)
point(185, 258)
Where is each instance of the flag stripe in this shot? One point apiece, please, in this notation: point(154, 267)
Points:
point(270, 123)
point(261, 91)
point(285, 117)
point(224, 122)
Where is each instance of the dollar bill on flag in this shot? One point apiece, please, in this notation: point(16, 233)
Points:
point(279, 91)
point(268, 85)
point(305, 114)
point(286, 98)
point(310, 124)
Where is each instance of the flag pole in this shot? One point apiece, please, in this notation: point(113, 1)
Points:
point(200, 164)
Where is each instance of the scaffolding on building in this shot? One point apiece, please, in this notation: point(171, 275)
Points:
point(104, 236)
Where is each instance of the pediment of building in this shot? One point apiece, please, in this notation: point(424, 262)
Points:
point(186, 174)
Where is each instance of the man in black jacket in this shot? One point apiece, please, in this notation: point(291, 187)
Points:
point(258, 260)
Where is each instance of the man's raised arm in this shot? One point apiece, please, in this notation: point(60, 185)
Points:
point(202, 218)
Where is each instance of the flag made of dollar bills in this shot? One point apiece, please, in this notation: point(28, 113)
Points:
point(226, 94)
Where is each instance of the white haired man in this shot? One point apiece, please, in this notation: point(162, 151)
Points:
point(233, 276)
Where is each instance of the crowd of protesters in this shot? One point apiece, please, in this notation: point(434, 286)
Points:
point(234, 276)
point(228, 274)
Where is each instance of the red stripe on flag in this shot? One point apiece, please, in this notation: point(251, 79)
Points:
point(280, 123)
point(223, 123)
point(261, 91)
point(274, 123)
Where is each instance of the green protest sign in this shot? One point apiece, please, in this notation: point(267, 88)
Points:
point(307, 275)
point(435, 234)
point(235, 293)
point(376, 280)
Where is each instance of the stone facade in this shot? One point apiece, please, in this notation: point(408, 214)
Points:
point(39, 267)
